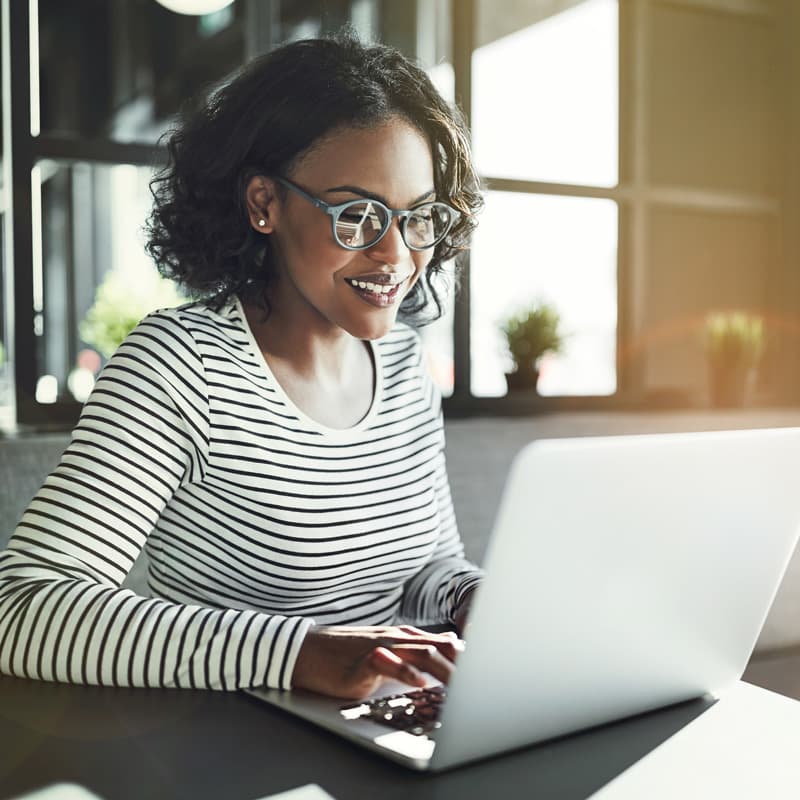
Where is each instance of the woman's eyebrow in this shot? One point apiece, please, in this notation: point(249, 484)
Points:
point(372, 196)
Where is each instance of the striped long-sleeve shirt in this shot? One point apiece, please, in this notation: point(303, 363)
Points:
point(258, 521)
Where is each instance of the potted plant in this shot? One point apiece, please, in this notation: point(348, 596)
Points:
point(120, 302)
point(530, 334)
point(734, 343)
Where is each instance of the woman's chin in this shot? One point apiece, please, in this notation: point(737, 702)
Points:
point(374, 331)
point(373, 325)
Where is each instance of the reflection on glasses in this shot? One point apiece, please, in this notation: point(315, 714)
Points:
point(359, 224)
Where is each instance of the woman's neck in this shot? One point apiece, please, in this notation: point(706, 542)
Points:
point(324, 351)
point(331, 378)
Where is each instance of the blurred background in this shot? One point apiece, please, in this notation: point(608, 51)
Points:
point(639, 157)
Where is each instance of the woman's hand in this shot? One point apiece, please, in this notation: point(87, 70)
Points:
point(352, 662)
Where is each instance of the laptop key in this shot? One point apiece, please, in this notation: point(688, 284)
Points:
point(416, 712)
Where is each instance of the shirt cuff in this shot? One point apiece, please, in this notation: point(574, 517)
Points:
point(460, 587)
point(302, 627)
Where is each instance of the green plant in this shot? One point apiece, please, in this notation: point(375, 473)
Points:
point(734, 338)
point(531, 333)
point(120, 303)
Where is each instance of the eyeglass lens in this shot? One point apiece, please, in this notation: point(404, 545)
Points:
point(362, 223)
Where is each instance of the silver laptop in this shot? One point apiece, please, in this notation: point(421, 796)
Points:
point(624, 574)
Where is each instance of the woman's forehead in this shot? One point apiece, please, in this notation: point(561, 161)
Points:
point(392, 159)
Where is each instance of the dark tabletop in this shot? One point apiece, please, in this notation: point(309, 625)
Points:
point(129, 744)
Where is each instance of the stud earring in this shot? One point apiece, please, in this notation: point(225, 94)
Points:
point(262, 223)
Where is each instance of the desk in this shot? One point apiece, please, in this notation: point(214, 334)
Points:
point(129, 744)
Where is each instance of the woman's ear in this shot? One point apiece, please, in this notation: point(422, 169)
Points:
point(262, 203)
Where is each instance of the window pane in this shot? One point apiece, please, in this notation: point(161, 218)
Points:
point(122, 70)
point(6, 312)
point(434, 51)
point(545, 92)
point(88, 234)
point(306, 19)
point(6, 377)
point(562, 250)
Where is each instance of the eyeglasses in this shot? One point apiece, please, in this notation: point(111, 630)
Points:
point(359, 224)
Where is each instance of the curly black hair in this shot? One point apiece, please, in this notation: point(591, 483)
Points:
point(261, 123)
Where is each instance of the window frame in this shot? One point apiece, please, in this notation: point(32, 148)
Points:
point(462, 403)
point(22, 151)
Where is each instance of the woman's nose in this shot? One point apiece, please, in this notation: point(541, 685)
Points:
point(391, 248)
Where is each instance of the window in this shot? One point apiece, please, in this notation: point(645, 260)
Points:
point(87, 222)
point(121, 71)
point(545, 121)
point(526, 248)
point(544, 92)
point(6, 363)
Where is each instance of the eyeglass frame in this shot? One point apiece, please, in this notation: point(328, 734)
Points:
point(335, 211)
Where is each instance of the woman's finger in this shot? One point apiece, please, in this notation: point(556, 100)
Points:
point(414, 631)
point(426, 657)
point(390, 665)
point(448, 643)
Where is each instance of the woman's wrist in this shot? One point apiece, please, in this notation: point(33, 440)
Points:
point(291, 655)
point(462, 609)
point(306, 661)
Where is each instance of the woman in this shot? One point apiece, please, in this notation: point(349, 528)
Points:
point(276, 447)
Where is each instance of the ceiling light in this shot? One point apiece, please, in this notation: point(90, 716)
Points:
point(195, 7)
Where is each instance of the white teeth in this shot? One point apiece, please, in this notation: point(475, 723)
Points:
point(375, 288)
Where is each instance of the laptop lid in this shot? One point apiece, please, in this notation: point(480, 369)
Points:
point(623, 574)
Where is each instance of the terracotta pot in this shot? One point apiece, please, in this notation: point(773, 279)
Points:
point(729, 384)
point(522, 379)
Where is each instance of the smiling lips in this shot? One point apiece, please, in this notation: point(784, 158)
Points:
point(378, 290)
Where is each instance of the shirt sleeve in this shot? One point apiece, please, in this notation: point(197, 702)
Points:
point(434, 594)
point(63, 614)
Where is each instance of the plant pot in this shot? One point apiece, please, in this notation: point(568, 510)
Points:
point(729, 384)
point(522, 379)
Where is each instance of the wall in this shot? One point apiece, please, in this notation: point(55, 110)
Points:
point(790, 307)
point(711, 106)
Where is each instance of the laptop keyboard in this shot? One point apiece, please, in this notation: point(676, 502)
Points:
point(416, 712)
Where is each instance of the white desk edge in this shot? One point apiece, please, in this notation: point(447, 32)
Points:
point(746, 746)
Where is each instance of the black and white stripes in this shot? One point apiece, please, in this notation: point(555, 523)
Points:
point(257, 520)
